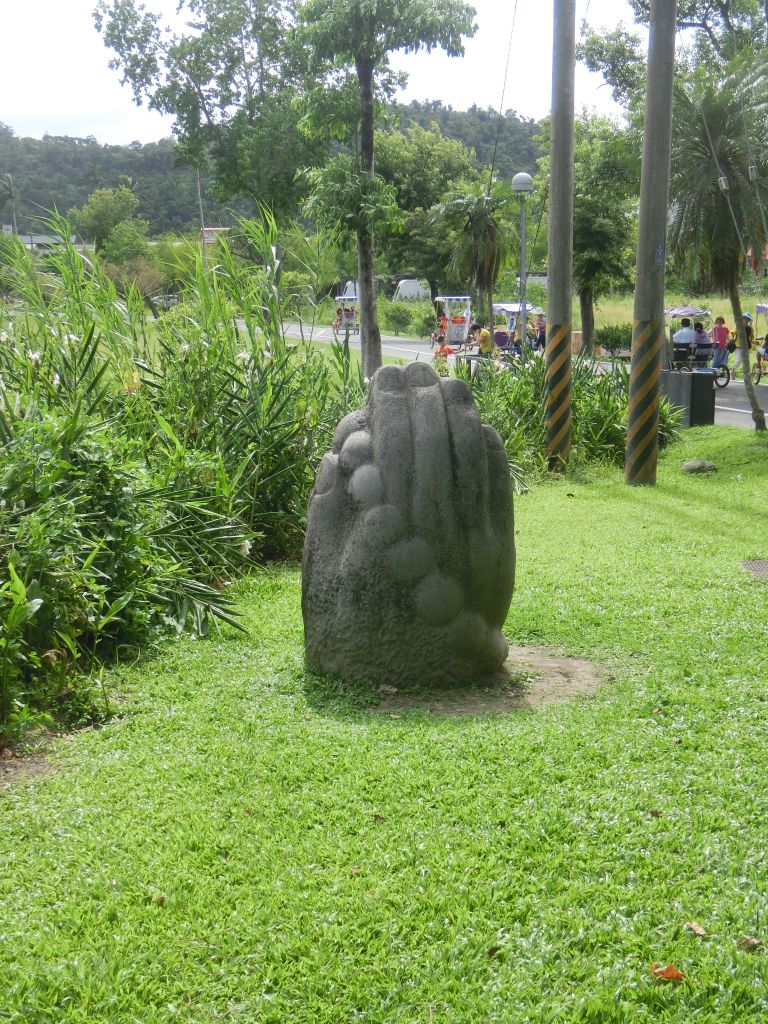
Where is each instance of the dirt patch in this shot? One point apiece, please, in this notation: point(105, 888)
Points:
point(21, 766)
point(530, 677)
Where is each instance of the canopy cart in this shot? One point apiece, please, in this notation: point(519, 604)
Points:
point(453, 315)
point(347, 316)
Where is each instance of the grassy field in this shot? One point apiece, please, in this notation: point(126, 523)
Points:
point(249, 843)
point(617, 309)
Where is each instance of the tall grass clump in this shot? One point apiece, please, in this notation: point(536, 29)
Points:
point(512, 398)
point(144, 463)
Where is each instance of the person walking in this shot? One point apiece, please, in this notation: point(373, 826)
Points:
point(750, 333)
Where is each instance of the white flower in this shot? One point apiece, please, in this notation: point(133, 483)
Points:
point(3, 337)
point(34, 357)
point(245, 548)
point(56, 380)
point(71, 339)
point(242, 357)
point(184, 347)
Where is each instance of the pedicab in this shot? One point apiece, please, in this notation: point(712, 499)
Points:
point(347, 316)
point(453, 316)
point(688, 360)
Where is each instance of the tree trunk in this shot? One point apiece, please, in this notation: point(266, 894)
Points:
point(758, 416)
point(587, 305)
point(491, 324)
point(370, 335)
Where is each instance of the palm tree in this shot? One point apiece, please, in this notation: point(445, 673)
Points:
point(481, 236)
point(718, 185)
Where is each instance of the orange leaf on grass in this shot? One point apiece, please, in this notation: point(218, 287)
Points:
point(668, 973)
point(692, 926)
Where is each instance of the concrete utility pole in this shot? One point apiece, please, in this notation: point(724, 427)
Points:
point(648, 339)
point(560, 258)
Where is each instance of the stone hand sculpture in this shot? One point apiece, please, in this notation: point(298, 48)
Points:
point(409, 557)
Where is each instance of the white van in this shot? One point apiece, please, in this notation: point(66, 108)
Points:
point(410, 289)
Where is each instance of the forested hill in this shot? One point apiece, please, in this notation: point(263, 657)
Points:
point(59, 172)
point(479, 129)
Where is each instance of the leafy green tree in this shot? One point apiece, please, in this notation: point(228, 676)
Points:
point(360, 35)
point(345, 202)
point(722, 29)
point(230, 81)
point(127, 242)
point(104, 209)
point(719, 186)
point(606, 176)
point(421, 165)
point(482, 231)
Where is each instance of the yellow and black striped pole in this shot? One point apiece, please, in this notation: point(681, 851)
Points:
point(648, 339)
point(558, 353)
point(560, 231)
point(643, 419)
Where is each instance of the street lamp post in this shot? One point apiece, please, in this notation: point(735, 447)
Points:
point(523, 184)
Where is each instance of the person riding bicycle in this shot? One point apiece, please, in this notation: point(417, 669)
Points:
point(762, 355)
point(683, 340)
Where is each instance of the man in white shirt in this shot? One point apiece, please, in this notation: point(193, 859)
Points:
point(683, 340)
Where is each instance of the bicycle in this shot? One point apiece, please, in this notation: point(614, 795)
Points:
point(758, 371)
point(689, 363)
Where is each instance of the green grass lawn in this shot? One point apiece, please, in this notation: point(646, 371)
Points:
point(252, 844)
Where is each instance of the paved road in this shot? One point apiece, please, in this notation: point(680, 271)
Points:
point(398, 348)
point(731, 405)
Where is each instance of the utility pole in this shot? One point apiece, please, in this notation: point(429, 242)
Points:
point(560, 258)
point(648, 338)
point(13, 205)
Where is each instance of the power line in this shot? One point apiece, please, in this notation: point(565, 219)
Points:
point(501, 104)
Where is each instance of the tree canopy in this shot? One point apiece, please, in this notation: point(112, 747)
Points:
point(230, 81)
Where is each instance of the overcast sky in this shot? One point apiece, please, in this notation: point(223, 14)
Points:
point(54, 74)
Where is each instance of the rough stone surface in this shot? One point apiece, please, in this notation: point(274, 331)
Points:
point(699, 466)
point(409, 558)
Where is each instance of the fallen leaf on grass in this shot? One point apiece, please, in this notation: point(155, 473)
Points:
point(749, 942)
point(692, 926)
point(668, 973)
point(394, 716)
point(354, 870)
point(654, 813)
point(493, 951)
point(379, 817)
point(384, 688)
